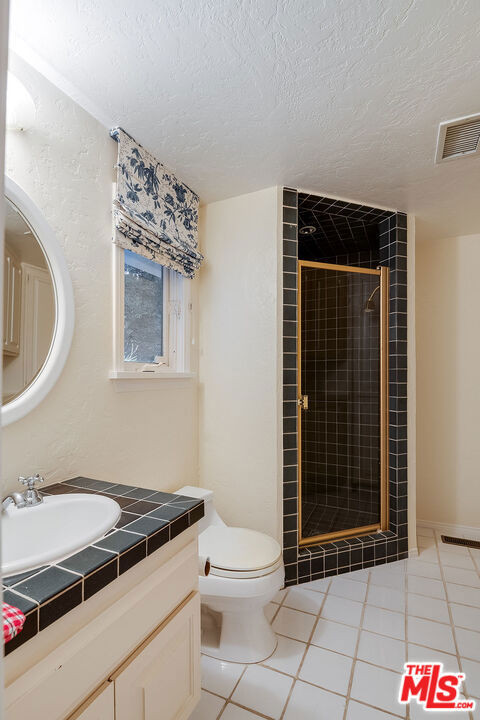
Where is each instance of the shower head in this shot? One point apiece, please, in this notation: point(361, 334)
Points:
point(370, 304)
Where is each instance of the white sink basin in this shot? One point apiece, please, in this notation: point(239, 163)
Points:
point(58, 527)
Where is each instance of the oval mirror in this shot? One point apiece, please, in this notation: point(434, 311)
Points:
point(38, 310)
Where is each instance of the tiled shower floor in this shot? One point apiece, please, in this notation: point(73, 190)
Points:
point(342, 642)
point(319, 519)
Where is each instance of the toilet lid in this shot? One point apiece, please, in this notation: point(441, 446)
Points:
point(232, 548)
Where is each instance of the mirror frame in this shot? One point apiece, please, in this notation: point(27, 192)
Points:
point(49, 373)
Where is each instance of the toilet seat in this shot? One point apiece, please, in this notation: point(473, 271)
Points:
point(239, 552)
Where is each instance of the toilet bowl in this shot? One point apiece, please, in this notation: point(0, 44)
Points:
point(246, 572)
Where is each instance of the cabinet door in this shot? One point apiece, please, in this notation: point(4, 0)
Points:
point(16, 313)
point(100, 706)
point(162, 680)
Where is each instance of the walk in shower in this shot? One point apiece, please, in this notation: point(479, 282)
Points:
point(343, 400)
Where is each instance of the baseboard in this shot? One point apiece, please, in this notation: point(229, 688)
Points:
point(448, 529)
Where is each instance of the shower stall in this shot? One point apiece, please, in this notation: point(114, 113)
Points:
point(345, 367)
point(343, 400)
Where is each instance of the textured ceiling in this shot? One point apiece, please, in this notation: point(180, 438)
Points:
point(343, 98)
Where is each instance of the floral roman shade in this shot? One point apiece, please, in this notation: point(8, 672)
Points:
point(155, 214)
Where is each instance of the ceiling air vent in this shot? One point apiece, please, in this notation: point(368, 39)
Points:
point(457, 138)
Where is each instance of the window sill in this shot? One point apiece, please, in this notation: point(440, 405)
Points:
point(138, 375)
point(131, 381)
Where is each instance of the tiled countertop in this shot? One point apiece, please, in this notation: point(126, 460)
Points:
point(149, 519)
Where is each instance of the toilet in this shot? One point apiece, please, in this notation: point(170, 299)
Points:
point(246, 572)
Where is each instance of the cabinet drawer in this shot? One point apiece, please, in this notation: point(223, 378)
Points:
point(161, 680)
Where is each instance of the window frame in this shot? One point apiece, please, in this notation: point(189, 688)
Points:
point(177, 325)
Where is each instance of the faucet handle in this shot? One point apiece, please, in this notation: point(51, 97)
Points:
point(30, 481)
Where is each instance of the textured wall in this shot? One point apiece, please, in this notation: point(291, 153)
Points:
point(239, 440)
point(84, 426)
point(448, 391)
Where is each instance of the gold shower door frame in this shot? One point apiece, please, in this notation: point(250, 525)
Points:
point(382, 273)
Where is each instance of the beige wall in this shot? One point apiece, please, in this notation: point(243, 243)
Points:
point(84, 426)
point(448, 386)
point(239, 384)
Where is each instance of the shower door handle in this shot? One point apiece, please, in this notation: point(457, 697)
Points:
point(303, 402)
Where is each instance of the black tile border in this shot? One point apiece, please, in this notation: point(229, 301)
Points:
point(303, 564)
point(81, 577)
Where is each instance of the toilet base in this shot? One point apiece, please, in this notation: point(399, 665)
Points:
point(237, 636)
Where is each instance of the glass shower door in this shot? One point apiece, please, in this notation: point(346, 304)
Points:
point(342, 352)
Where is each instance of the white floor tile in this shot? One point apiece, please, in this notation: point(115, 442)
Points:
point(358, 575)
point(208, 708)
point(294, 624)
point(385, 597)
point(391, 575)
point(300, 598)
point(263, 690)
point(461, 576)
point(423, 569)
point(326, 669)
point(428, 553)
point(335, 636)
point(320, 585)
point(232, 712)
point(418, 713)
point(463, 594)
point(426, 586)
point(419, 654)
point(432, 634)
point(288, 655)
point(472, 679)
point(312, 703)
point(270, 611)
point(468, 643)
point(454, 560)
point(350, 589)
point(465, 616)
point(220, 677)
point(380, 650)
point(377, 687)
point(428, 607)
point(357, 711)
point(384, 622)
point(280, 595)
point(342, 610)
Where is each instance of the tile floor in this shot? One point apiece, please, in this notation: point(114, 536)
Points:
point(342, 642)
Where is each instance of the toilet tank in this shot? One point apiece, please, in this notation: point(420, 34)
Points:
point(211, 516)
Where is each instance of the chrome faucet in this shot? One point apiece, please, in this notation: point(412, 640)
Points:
point(29, 498)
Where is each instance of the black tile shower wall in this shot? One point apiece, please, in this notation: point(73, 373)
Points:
point(368, 237)
point(290, 437)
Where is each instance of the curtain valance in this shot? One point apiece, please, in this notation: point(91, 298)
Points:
point(155, 214)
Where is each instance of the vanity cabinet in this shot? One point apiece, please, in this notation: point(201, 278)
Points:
point(136, 658)
point(101, 706)
point(12, 302)
point(159, 680)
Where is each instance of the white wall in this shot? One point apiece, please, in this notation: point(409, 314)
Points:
point(239, 360)
point(448, 386)
point(84, 426)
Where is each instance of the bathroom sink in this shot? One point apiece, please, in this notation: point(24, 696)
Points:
point(60, 526)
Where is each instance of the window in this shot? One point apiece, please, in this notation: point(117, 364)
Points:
point(143, 310)
point(152, 318)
